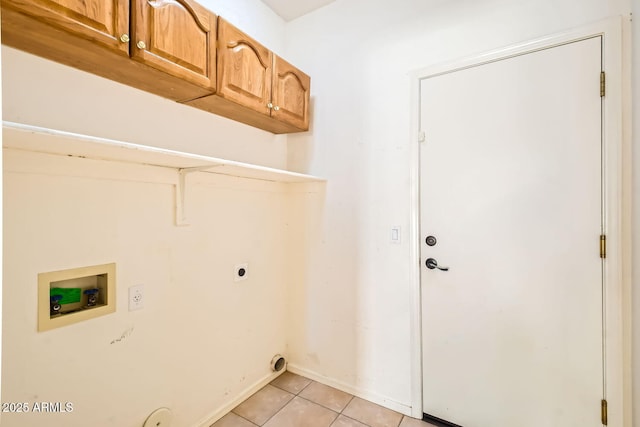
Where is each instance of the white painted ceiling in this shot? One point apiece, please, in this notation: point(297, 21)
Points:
point(291, 9)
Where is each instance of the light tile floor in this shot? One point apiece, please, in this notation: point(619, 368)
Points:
point(294, 401)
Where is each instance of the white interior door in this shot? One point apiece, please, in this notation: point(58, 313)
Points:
point(511, 190)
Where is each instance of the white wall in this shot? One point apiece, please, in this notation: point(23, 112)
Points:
point(356, 303)
point(201, 341)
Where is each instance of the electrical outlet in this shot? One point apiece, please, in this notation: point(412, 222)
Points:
point(136, 297)
point(241, 272)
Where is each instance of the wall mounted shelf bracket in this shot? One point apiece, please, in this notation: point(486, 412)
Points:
point(181, 217)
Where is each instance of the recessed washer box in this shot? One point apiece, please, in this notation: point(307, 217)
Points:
point(71, 296)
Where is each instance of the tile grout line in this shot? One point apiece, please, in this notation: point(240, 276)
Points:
point(326, 407)
point(268, 419)
point(316, 403)
point(346, 416)
point(297, 394)
point(329, 409)
point(288, 391)
point(279, 410)
point(345, 406)
point(353, 419)
point(305, 387)
point(238, 415)
point(286, 404)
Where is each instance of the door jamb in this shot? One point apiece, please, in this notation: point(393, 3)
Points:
point(616, 214)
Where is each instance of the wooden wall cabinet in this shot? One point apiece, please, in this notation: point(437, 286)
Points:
point(255, 86)
point(173, 43)
point(244, 69)
point(174, 48)
point(177, 37)
point(106, 22)
point(290, 94)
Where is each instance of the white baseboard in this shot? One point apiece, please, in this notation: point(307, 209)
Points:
point(221, 412)
point(363, 394)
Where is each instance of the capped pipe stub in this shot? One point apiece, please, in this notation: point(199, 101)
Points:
point(161, 417)
point(278, 363)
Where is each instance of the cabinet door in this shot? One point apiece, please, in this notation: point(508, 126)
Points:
point(244, 69)
point(177, 37)
point(103, 21)
point(290, 94)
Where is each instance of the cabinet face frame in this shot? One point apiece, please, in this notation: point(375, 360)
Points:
point(187, 21)
point(111, 32)
point(290, 94)
point(244, 69)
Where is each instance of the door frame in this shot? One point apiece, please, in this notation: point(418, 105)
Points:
point(616, 213)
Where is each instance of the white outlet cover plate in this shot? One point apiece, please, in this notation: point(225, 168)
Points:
point(236, 272)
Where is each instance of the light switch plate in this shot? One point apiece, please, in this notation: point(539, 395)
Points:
point(396, 234)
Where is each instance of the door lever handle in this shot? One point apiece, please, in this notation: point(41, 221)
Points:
point(432, 263)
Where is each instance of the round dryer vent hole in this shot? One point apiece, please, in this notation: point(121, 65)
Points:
point(278, 363)
point(161, 417)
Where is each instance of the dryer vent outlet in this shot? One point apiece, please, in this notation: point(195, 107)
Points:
point(278, 363)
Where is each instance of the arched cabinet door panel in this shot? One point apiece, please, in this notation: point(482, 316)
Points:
point(244, 69)
point(105, 22)
point(177, 37)
point(290, 94)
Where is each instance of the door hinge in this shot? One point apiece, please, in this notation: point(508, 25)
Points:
point(603, 246)
point(421, 136)
point(602, 83)
point(603, 412)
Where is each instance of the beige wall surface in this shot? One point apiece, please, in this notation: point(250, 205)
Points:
point(202, 340)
